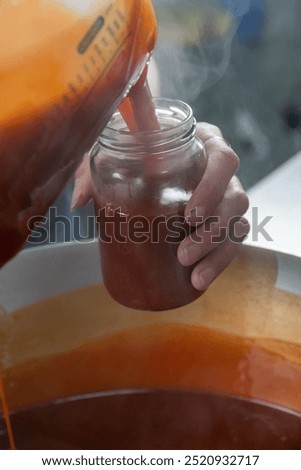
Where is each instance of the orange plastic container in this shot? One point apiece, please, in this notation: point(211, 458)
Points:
point(64, 69)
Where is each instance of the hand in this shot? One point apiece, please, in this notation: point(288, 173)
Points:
point(218, 199)
point(83, 189)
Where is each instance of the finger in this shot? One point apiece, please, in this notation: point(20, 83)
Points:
point(206, 242)
point(222, 164)
point(206, 131)
point(217, 228)
point(83, 189)
point(213, 265)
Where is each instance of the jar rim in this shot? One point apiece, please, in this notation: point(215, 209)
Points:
point(179, 124)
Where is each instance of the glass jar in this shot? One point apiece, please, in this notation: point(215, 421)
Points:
point(142, 183)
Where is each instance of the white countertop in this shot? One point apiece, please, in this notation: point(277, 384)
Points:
point(279, 196)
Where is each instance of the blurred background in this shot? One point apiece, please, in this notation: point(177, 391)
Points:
point(238, 64)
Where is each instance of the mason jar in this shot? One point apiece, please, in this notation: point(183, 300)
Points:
point(142, 183)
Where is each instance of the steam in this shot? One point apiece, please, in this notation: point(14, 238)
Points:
point(194, 44)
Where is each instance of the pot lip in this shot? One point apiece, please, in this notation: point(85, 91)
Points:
point(67, 267)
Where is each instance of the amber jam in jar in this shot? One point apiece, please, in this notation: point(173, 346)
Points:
point(142, 183)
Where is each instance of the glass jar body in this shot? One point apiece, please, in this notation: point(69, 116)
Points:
point(140, 192)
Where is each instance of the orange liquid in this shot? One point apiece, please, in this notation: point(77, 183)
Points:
point(55, 100)
point(159, 419)
point(165, 358)
point(148, 275)
point(138, 109)
point(110, 348)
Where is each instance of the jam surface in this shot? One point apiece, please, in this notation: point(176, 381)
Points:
point(159, 419)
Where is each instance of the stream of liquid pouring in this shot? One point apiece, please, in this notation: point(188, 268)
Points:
point(6, 415)
point(4, 405)
point(138, 110)
point(139, 114)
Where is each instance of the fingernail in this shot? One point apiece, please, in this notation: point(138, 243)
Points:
point(196, 215)
point(241, 230)
point(205, 278)
point(244, 221)
point(189, 254)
